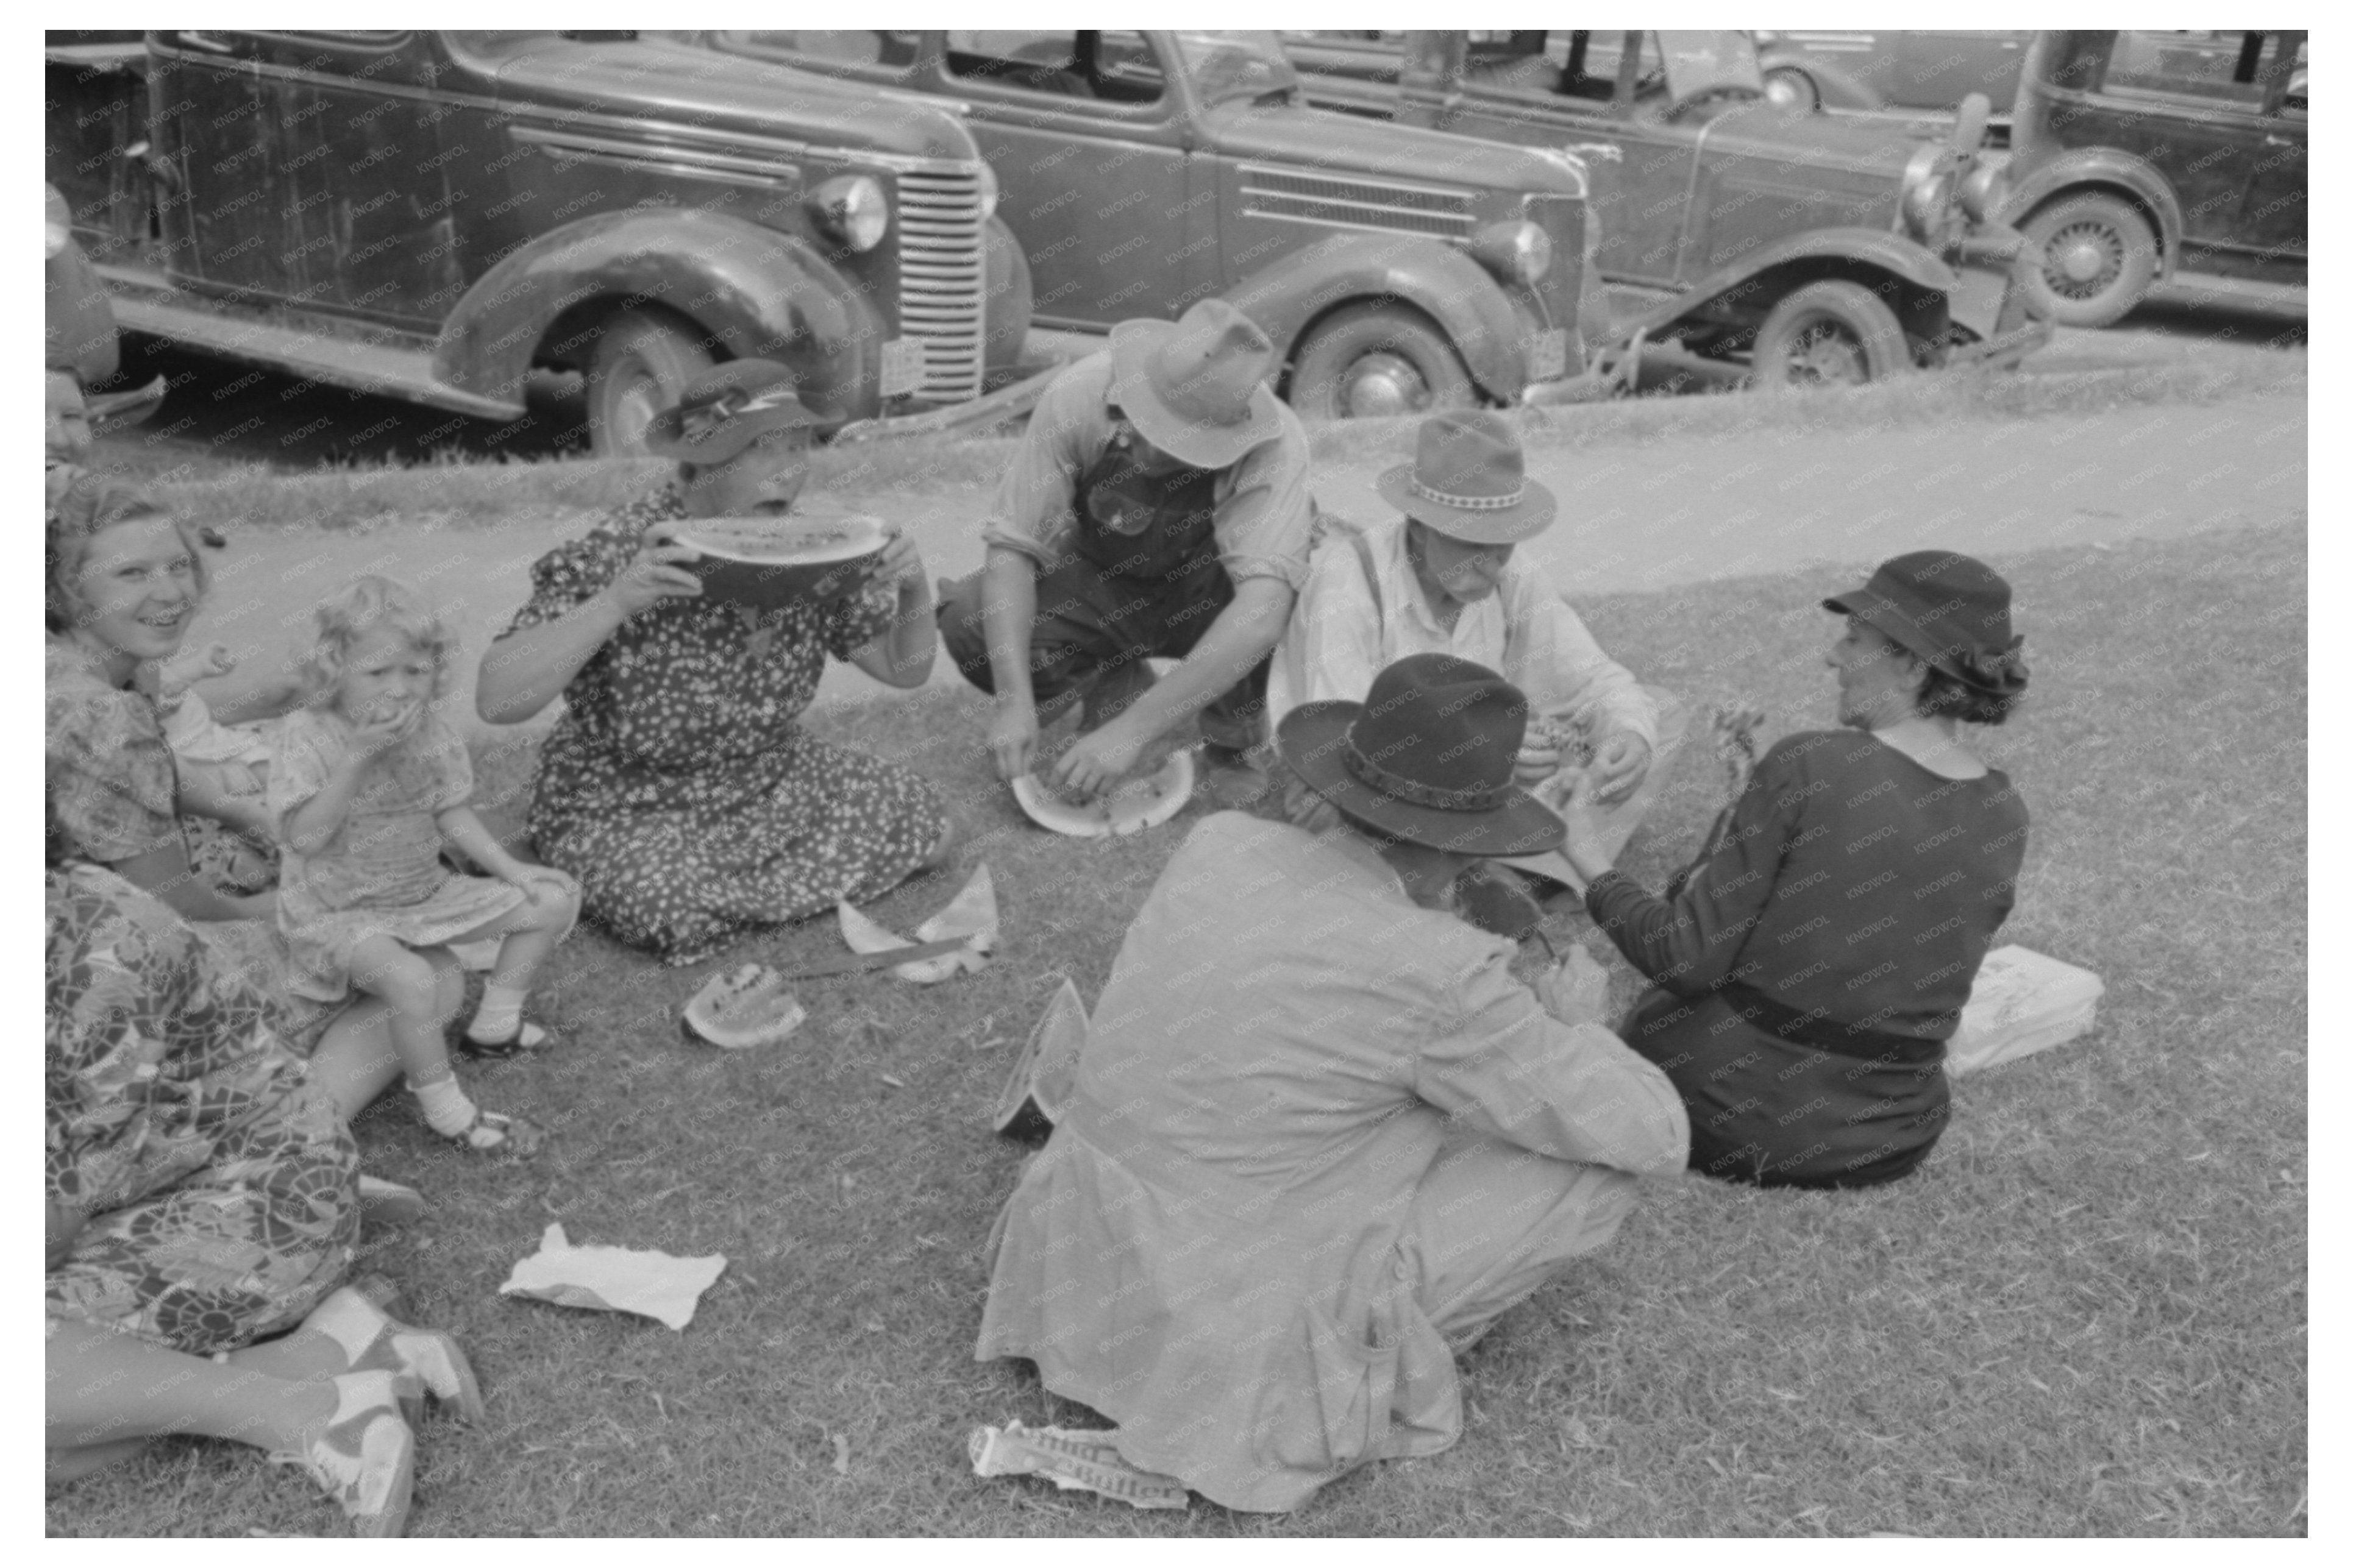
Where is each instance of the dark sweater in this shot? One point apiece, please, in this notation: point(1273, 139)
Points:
point(1849, 885)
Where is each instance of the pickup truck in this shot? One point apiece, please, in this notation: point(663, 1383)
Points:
point(435, 215)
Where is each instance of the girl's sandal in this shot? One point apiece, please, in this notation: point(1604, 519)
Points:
point(491, 1132)
point(528, 1039)
point(366, 1457)
point(373, 1340)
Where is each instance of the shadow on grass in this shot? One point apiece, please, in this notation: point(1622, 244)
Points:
point(2084, 1316)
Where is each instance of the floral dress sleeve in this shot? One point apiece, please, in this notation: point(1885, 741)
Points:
point(852, 624)
point(111, 783)
point(575, 573)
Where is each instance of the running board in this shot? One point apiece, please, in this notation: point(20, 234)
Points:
point(382, 369)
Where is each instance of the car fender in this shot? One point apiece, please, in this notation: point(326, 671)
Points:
point(2090, 168)
point(750, 291)
point(1287, 296)
point(1836, 88)
point(1867, 256)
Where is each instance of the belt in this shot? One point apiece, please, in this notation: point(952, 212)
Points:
point(1780, 1019)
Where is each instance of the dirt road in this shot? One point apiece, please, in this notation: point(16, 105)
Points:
point(1637, 517)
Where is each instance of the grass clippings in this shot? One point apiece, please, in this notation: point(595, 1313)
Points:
point(2084, 1316)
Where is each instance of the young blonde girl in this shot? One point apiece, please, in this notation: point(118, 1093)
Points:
point(367, 784)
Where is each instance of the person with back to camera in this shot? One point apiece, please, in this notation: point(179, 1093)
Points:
point(1280, 1202)
point(1810, 965)
point(679, 785)
point(367, 784)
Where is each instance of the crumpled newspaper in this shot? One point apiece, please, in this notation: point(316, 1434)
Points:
point(614, 1279)
point(1074, 1461)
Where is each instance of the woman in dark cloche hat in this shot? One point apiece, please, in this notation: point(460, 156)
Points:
point(1810, 965)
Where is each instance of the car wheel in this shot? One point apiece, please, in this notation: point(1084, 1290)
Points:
point(1366, 361)
point(643, 360)
point(1832, 333)
point(1792, 89)
point(2095, 256)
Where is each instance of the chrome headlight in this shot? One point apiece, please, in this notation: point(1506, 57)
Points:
point(852, 209)
point(1928, 186)
point(1516, 250)
point(56, 223)
point(1984, 192)
point(987, 192)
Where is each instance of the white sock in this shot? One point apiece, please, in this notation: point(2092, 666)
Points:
point(501, 1014)
point(447, 1110)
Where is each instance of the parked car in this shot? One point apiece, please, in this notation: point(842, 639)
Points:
point(434, 215)
point(2135, 155)
point(1814, 248)
point(1931, 69)
point(1397, 269)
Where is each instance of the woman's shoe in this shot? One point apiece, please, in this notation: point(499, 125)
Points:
point(375, 1340)
point(528, 1039)
point(490, 1133)
point(366, 1457)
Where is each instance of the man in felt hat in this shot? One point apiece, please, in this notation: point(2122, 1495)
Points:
point(1157, 509)
point(1276, 1207)
point(1447, 578)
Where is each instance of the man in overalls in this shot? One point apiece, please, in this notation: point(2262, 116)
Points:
point(1159, 509)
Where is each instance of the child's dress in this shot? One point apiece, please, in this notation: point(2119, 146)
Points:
point(381, 874)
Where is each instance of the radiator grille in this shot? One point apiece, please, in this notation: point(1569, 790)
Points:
point(942, 277)
point(1388, 208)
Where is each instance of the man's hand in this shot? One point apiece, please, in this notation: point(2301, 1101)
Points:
point(1304, 809)
point(656, 572)
point(1572, 795)
point(1534, 765)
point(1619, 764)
point(1574, 991)
point(1013, 736)
point(1095, 763)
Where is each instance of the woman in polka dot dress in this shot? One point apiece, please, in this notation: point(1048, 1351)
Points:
point(679, 787)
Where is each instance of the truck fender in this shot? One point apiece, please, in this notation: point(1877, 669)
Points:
point(1867, 256)
point(1286, 297)
point(2087, 168)
point(750, 291)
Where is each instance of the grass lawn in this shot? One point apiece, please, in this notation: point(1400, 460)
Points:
point(2085, 1315)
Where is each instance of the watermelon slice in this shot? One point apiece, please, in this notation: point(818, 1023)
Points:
point(1041, 1082)
point(971, 915)
point(1135, 806)
point(740, 1010)
point(770, 561)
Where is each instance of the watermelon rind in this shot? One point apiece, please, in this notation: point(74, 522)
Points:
point(1136, 806)
point(743, 1009)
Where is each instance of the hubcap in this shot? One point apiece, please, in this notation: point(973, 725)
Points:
point(1382, 383)
point(1824, 352)
point(2083, 259)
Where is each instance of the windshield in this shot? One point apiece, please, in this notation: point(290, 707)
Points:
point(498, 44)
point(1700, 63)
point(1226, 65)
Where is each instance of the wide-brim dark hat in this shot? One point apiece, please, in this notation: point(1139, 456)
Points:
point(726, 409)
point(1469, 481)
point(1427, 757)
point(1951, 610)
point(1196, 387)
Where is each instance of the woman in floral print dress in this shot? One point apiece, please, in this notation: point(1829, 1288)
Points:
point(679, 787)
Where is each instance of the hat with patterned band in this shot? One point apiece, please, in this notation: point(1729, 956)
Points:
point(726, 409)
point(1196, 387)
point(1468, 481)
point(1426, 757)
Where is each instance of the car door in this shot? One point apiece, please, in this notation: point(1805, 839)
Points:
point(1642, 196)
point(213, 151)
point(2191, 103)
point(2275, 216)
point(1087, 131)
point(362, 177)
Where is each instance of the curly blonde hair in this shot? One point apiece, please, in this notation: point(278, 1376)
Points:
point(359, 609)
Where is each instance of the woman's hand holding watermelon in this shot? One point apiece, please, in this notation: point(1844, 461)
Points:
point(900, 566)
point(655, 573)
